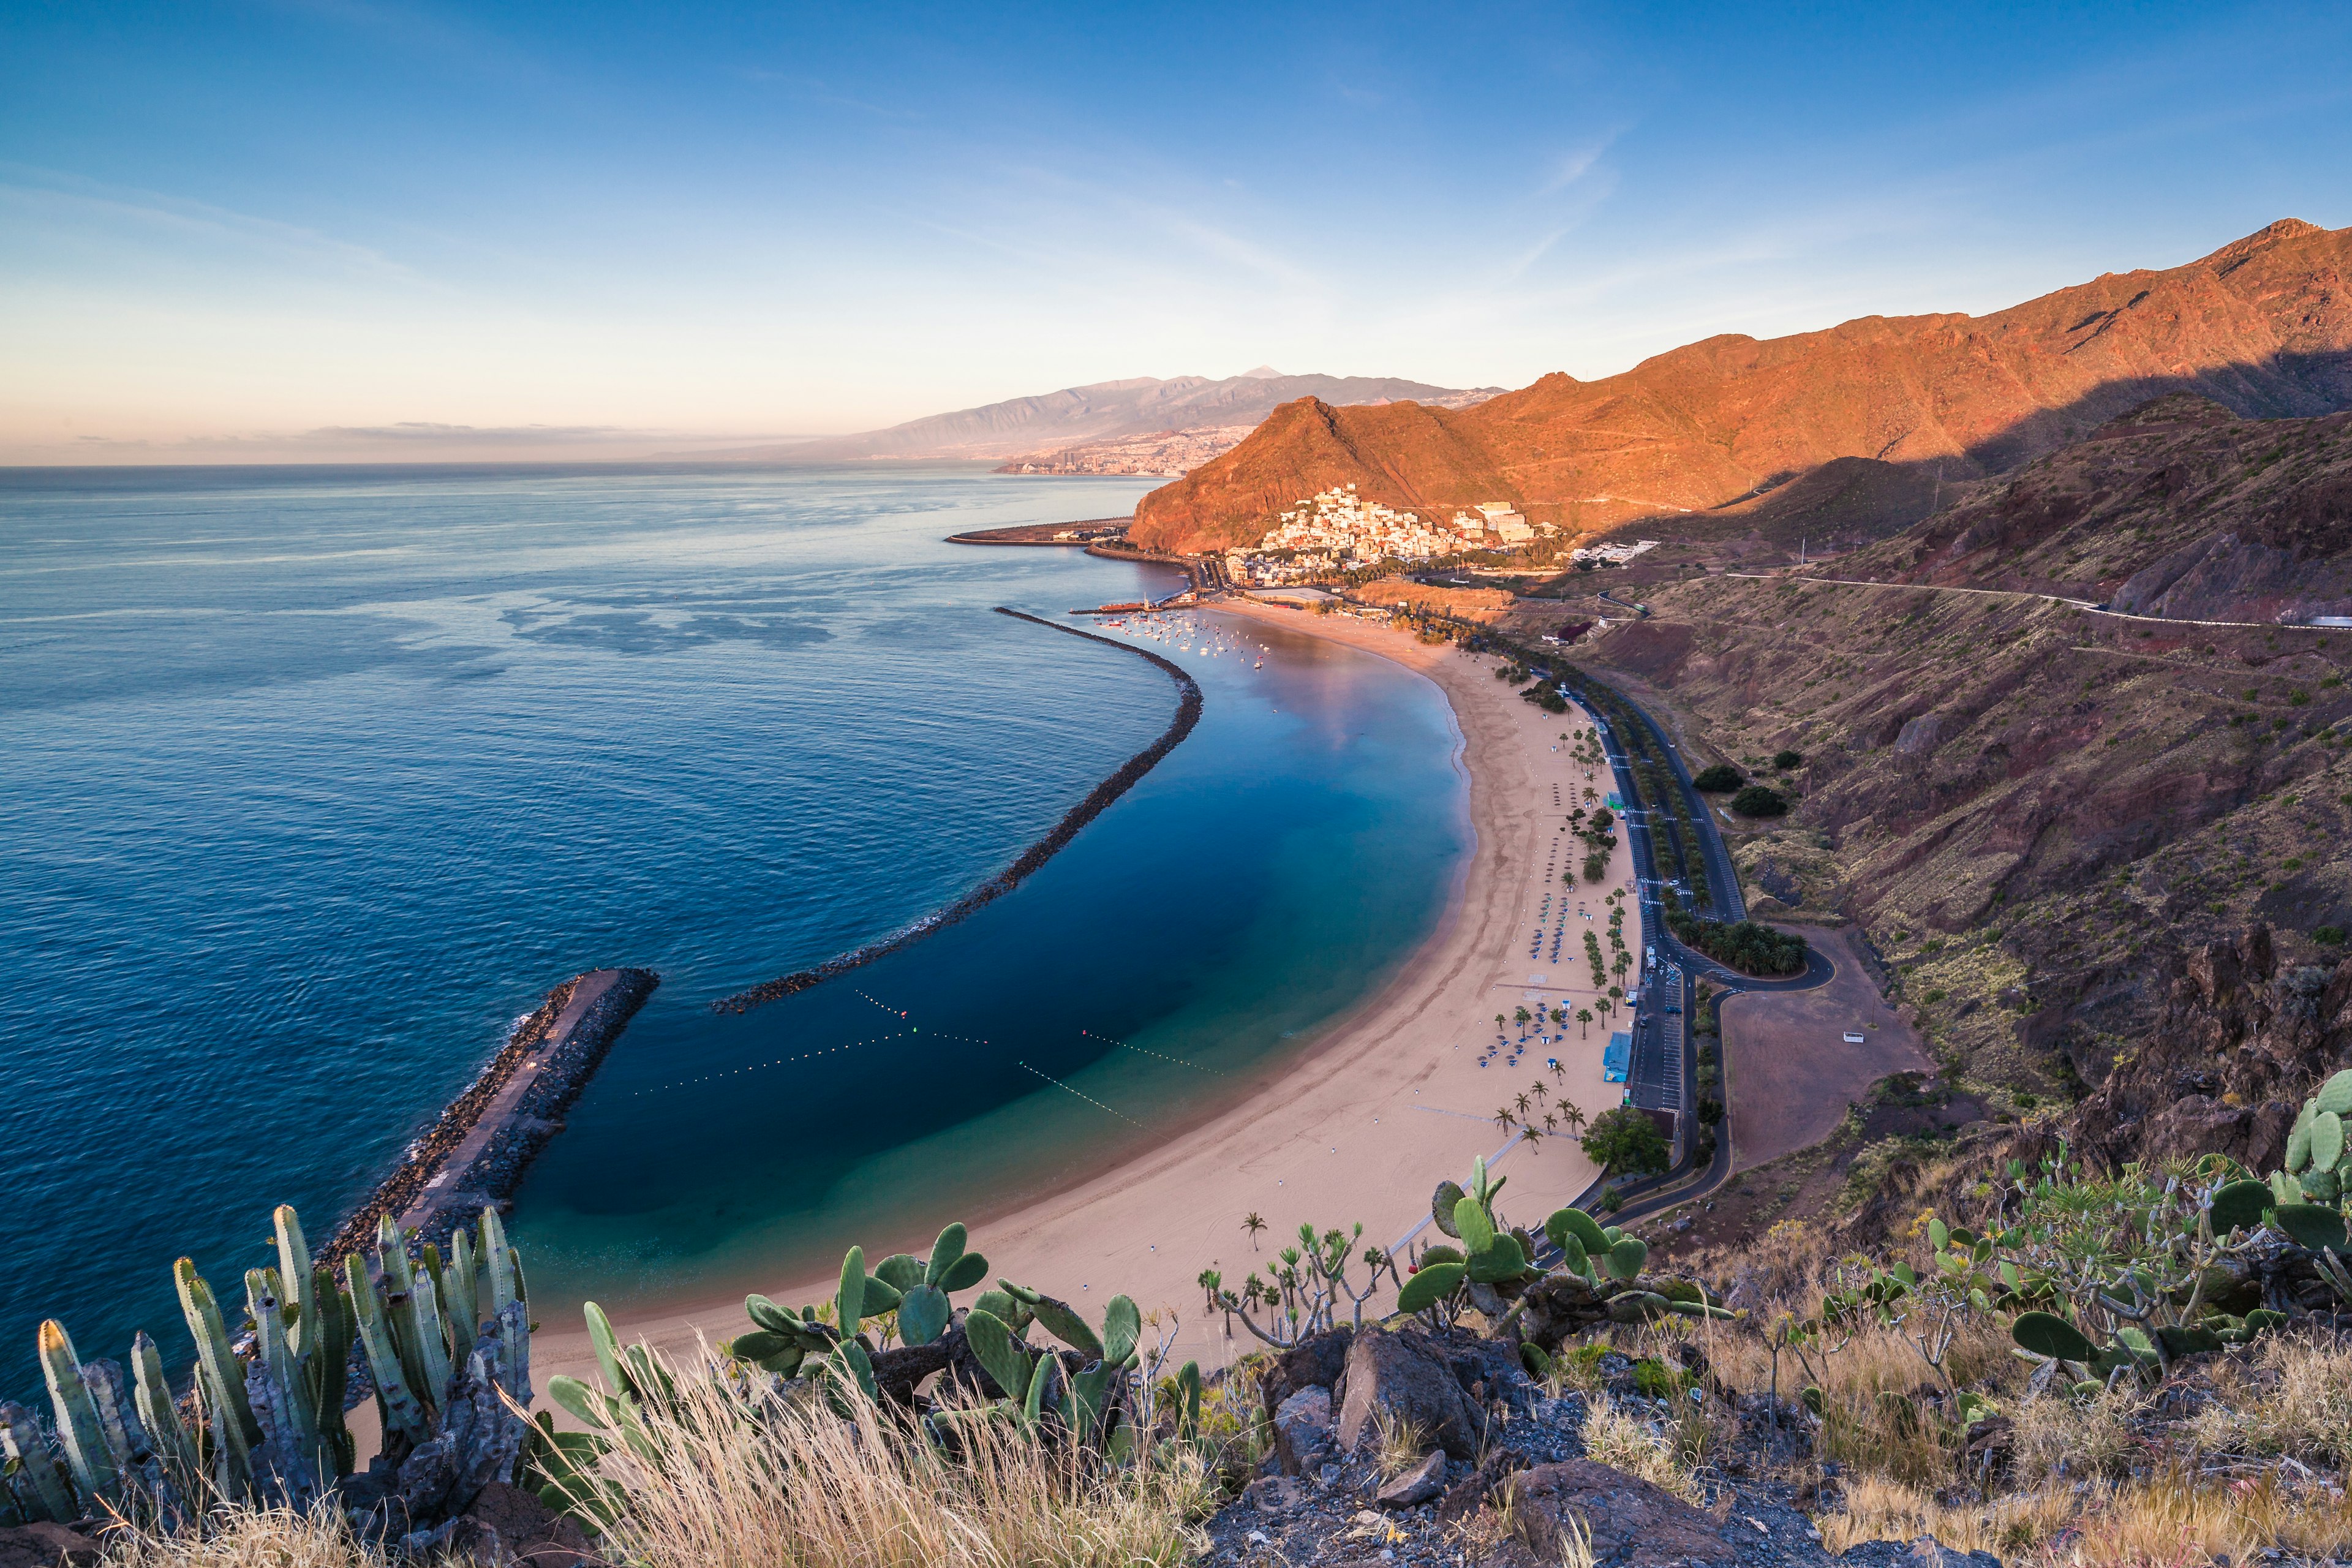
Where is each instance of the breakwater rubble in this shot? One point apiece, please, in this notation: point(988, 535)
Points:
point(1188, 714)
point(474, 1155)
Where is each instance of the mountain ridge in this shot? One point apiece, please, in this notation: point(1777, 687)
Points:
point(1099, 411)
point(2261, 325)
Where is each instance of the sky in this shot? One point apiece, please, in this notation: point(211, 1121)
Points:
point(376, 229)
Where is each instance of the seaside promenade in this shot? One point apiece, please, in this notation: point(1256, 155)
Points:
point(1363, 1124)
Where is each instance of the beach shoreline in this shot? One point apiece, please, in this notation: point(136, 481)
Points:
point(1360, 1123)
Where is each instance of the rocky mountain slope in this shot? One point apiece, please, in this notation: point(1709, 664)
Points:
point(1102, 410)
point(2263, 326)
point(2179, 510)
point(2038, 811)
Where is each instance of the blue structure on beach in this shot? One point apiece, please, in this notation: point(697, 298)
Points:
point(1618, 1060)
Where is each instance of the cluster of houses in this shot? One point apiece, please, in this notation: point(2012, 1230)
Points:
point(1612, 554)
point(1337, 531)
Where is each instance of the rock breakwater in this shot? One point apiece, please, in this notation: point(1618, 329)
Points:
point(474, 1155)
point(1188, 714)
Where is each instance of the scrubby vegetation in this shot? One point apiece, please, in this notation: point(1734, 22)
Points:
point(1718, 779)
point(2102, 1369)
point(1745, 945)
point(1759, 800)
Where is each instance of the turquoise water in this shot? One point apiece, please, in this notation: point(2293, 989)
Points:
point(316, 779)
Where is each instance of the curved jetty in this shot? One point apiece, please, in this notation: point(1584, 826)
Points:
point(1188, 714)
point(476, 1155)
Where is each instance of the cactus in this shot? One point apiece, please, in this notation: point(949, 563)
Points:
point(279, 1394)
point(157, 1411)
point(2318, 1165)
point(44, 1486)
point(92, 1461)
point(271, 1426)
point(221, 1379)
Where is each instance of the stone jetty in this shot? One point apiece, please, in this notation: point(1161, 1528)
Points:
point(1188, 714)
point(474, 1155)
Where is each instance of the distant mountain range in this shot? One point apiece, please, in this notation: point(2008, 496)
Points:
point(1105, 411)
point(1910, 404)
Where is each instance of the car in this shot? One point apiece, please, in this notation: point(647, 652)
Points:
point(1855, 1037)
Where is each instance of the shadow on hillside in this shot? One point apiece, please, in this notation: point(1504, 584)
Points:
point(1850, 502)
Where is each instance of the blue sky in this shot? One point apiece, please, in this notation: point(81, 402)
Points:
point(225, 228)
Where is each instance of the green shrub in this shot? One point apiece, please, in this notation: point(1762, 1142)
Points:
point(2329, 936)
point(1757, 800)
point(1786, 760)
point(1625, 1142)
point(1747, 947)
point(1719, 778)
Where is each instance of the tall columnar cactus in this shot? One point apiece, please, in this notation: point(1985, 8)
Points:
point(221, 1380)
point(39, 1481)
point(268, 1420)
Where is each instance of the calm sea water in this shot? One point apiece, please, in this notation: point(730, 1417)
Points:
point(315, 780)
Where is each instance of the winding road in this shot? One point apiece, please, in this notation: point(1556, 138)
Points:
point(1665, 1073)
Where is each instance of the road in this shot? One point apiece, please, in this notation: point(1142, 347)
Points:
point(1664, 1069)
point(2085, 605)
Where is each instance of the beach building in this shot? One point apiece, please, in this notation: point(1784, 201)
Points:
point(1618, 1060)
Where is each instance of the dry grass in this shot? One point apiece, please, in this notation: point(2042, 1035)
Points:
point(2307, 1412)
point(1399, 1445)
point(1874, 1412)
point(1568, 1543)
point(766, 1480)
point(761, 1479)
point(249, 1538)
point(2062, 1437)
point(1879, 1509)
point(1625, 1442)
point(2173, 1519)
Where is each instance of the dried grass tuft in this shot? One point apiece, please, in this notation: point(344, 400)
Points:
point(1623, 1441)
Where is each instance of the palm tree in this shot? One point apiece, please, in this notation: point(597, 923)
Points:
point(1498, 1020)
point(1503, 1117)
point(1559, 1071)
point(1534, 1140)
point(1253, 1222)
point(1551, 1121)
point(1571, 1115)
point(1523, 1104)
point(1584, 1023)
point(1538, 1090)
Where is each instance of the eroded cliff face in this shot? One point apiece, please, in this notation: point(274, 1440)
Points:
point(2034, 812)
point(2240, 1040)
point(2263, 326)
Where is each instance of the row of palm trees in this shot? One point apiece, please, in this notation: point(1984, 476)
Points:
point(1525, 1106)
point(1560, 1015)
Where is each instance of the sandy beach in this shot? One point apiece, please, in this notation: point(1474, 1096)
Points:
point(1370, 1117)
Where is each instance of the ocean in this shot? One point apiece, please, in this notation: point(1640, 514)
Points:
point(316, 779)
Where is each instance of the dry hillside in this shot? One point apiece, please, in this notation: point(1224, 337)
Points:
point(2036, 810)
point(2263, 326)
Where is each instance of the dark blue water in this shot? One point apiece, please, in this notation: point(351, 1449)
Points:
point(315, 780)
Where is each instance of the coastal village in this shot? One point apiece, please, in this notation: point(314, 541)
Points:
point(1336, 532)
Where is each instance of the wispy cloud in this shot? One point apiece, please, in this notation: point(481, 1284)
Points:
point(1576, 164)
point(73, 198)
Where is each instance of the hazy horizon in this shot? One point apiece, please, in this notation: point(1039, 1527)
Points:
point(342, 230)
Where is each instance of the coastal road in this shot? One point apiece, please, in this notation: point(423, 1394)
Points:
point(2085, 605)
point(1665, 1073)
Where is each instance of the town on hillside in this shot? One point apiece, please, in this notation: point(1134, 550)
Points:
point(1336, 532)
